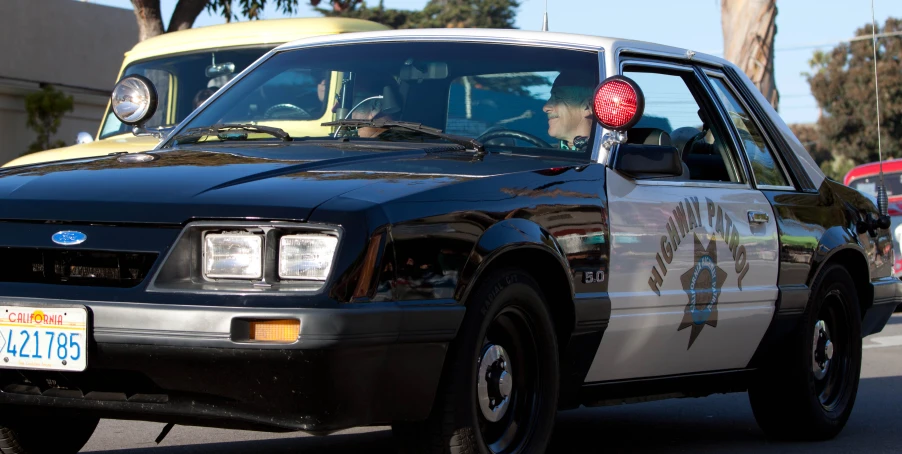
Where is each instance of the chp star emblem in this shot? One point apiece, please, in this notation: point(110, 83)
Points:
point(702, 284)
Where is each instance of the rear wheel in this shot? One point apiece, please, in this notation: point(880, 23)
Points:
point(808, 391)
point(500, 384)
point(48, 434)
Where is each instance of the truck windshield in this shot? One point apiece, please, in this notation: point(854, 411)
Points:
point(183, 82)
point(868, 184)
point(513, 98)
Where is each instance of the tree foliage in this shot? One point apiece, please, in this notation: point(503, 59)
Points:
point(842, 82)
point(438, 14)
point(45, 108)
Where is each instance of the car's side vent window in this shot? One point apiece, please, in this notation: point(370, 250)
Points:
point(764, 164)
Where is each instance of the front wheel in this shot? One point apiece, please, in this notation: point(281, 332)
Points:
point(48, 434)
point(807, 392)
point(500, 385)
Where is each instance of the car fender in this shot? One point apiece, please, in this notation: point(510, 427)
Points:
point(503, 237)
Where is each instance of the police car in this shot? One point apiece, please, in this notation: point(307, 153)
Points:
point(491, 227)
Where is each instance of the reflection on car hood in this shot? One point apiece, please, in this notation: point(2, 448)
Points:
point(116, 144)
point(226, 181)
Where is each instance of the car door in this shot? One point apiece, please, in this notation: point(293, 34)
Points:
point(694, 264)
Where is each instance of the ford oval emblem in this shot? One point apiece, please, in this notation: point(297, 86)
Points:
point(69, 237)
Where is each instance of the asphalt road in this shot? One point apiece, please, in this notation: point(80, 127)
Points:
point(712, 424)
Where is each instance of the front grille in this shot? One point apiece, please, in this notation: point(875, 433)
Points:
point(65, 267)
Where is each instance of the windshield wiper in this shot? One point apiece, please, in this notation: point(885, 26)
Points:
point(411, 126)
point(220, 130)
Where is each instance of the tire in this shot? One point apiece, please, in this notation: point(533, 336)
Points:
point(508, 311)
point(30, 435)
point(794, 397)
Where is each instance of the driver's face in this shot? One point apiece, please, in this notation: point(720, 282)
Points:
point(567, 119)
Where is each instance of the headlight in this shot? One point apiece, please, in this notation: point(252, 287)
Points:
point(306, 256)
point(233, 256)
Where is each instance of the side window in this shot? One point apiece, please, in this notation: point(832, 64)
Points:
point(764, 164)
point(673, 116)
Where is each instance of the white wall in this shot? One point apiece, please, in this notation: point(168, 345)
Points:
point(74, 45)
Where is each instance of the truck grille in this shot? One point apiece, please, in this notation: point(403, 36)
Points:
point(64, 267)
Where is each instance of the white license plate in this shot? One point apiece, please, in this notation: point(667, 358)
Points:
point(50, 338)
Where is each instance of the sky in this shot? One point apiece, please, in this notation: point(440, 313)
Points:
point(803, 26)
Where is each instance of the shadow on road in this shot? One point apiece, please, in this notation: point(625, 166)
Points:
point(722, 423)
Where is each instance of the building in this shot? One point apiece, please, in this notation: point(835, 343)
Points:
point(75, 46)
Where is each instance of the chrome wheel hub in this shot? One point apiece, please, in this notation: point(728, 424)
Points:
point(494, 383)
point(823, 350)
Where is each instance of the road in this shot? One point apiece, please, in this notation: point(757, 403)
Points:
point(712, 424)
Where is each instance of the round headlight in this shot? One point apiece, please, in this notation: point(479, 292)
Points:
point(134, 100)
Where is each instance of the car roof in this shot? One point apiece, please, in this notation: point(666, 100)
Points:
point(249, 33)
point(873, 168)
point(571, 40)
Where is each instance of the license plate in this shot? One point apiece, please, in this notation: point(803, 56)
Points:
point(49, 338)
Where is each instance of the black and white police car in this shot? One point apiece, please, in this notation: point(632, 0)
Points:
point(488, 227)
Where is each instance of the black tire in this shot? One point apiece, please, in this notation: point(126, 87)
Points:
point(46, 435)
point(790, 401)
point(507, 310)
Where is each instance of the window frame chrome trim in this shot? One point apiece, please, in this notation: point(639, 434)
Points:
point(696, 58)
point(600, 130)
point(687, 66)
point(698, 184)
point(770, 143)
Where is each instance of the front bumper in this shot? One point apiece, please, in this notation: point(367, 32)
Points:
point(887, 296)
point(351, 366)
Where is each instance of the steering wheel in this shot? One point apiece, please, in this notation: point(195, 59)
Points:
point(282, 110)
point(514, 135)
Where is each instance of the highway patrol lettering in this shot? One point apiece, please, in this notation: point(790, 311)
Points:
point(686, 217)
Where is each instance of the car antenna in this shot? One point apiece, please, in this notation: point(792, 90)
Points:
point(882, 200)
point(545, 18)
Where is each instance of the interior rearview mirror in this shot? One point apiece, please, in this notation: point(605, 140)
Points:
point(648, 161)
point(221, 69)
point(413, 70)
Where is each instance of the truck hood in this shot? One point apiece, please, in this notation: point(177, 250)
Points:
point(122, 143)
point(234, 182)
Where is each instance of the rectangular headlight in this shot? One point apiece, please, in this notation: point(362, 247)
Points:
point(306, 256)
point(233, 256)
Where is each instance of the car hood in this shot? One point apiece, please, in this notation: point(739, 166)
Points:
point(116, 144)
point(237, 182)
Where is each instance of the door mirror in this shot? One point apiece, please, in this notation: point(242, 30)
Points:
point(648, 161)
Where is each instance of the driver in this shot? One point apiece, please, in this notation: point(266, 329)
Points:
point(569, 109)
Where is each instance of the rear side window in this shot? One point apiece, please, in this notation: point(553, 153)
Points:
point(764, 164)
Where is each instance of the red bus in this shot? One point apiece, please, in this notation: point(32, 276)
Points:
point(865, 179)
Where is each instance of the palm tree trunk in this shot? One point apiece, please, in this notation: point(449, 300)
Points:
point(749, 27)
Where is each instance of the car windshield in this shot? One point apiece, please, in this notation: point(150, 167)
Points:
point(183, 82)
point(516, 99)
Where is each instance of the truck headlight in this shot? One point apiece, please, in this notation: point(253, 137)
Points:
point(232, 256)
point(306, 256)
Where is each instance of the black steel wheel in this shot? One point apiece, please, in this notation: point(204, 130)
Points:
point(807, 392)
point(47, 434)
point(500, 383)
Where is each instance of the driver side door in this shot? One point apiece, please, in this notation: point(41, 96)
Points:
point(694, 263)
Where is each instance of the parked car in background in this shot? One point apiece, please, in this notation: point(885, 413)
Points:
point(865, 178)
point(190, 65)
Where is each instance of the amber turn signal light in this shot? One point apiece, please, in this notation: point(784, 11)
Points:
point(275, 330)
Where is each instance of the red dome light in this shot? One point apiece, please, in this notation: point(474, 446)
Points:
point(618, 103)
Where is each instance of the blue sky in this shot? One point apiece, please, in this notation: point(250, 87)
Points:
point(802, 27)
